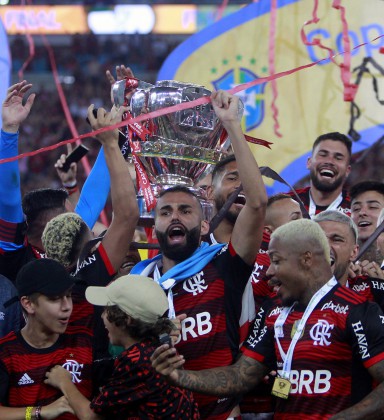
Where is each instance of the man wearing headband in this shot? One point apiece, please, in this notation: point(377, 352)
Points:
point(134, 315)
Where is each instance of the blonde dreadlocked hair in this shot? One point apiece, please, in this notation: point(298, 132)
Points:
point(62, 238)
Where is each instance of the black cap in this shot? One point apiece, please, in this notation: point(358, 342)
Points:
point(44, 276)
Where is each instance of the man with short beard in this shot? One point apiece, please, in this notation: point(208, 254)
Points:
point(207, 281)
point(329, 168)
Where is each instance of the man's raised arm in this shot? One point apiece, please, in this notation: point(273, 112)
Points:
point(14, 112)
point(123, 196)
point(248, 230)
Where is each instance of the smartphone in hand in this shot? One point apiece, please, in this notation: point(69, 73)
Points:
point(166, 339)
point(76, 154)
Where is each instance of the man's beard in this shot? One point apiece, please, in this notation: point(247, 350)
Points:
point(288, 301)
point(324, 186)
point(180, 252)
point(340, 269)
point(230, 216)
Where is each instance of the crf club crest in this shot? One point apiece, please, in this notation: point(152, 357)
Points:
point(74, 368)
point(195, 284)
point(321, 333)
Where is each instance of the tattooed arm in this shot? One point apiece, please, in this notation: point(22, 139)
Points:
point(228, 380)
point(372, 406)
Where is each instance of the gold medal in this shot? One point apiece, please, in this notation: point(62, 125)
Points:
point(281, 388)
point(294, 329)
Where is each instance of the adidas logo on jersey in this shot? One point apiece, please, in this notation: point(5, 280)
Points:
point(26, 380)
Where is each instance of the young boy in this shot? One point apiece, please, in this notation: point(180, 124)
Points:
point(134, 317)
point(44, 289)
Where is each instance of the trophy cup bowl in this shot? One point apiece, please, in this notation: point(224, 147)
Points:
point(181, 144)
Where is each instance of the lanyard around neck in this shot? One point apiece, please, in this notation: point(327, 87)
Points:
point(278, 327)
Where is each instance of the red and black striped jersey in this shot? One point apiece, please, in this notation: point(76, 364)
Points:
point(303, 193)
point(370, 287)
point(343, 337)
point(210, 336)
point(259, 279)
point(23, 368)
point(94, 270)
point(136, 391)
point(12, 260)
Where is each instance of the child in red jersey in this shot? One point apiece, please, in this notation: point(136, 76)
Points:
point(134, 317)
point(44, 289)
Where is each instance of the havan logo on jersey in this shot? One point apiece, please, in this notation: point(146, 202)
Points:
point(256, 327)
point(361, 339)
point(87, 261)
point(74, 368)
point(195, 284)
point(321, 333)
point(379, 285)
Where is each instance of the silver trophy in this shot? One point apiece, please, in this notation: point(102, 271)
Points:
point(181, 145)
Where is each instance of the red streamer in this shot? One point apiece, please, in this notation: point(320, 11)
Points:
point(271, 64)
point(350, 89)
point(221, 9)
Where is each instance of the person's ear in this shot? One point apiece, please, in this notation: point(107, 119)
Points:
point(354, 253)
point(306, 259)
point(27, 305)
point(348, 171)
point(209, 192)
point(204, 227)
point(309, 161)
point(268, 229)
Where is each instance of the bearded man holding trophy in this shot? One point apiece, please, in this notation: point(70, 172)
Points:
point(205, 282)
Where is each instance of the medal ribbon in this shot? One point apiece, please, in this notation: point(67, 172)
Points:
point(278, 327)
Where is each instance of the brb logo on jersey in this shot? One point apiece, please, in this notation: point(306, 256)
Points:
point(75, 370)
point(321, 333)
point(253, 98)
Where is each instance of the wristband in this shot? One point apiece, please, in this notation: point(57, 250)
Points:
point(28, 413)
point(71, 184)
point(72, 190)
point(38, 413)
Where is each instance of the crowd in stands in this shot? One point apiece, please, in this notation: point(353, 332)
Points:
point(82, 64)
